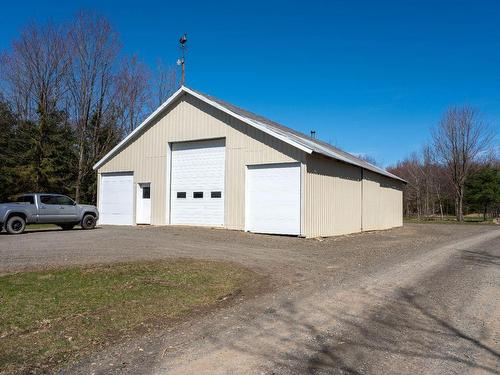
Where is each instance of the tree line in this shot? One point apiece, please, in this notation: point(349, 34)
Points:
point(456, 173)
point(68, 94)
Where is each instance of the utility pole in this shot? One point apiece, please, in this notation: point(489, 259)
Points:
point(181, 60)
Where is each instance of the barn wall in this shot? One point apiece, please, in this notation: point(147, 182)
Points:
point(191, 119)
point(332, 197)
point(340, 199)
point(382, 202)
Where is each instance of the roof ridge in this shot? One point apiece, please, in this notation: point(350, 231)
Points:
point(288, 135)
point(256, 117)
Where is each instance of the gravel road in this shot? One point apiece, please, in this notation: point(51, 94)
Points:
point(418, 299)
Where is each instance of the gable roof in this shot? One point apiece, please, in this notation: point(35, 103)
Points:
point(287, 135)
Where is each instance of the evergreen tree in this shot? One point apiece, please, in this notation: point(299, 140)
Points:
point(483, 189)
point(53, 154)
point(7, 162)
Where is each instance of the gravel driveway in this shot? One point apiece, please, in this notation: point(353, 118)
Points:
point(423, 298)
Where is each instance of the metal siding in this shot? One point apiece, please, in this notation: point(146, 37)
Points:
point(338, 202)
point(382, 202)
point(319, 203)
point(191, 119)
point(332, 193)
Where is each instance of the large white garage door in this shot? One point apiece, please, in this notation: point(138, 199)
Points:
point(197, 183)
point(273, 199)
point(116, 201)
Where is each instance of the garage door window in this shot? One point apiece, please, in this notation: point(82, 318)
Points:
point(197, 168)
point(216, 194)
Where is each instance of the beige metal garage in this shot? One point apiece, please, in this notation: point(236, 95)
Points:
point(207, 162)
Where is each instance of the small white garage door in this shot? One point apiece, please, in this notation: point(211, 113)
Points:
point(197, 183)
point(273, 198)
point(116, 201)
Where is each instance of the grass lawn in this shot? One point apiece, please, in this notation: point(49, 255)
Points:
point(50, 317)
point(472, 219)
point(41, 226)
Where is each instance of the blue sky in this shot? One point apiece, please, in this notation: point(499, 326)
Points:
point(369, 76)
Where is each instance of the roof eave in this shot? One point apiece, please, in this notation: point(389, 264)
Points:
point(252, 122)
point(125, 140)
point(184, 89)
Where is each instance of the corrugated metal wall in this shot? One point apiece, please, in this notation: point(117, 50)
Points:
point(382, 202)
point(191, 119)
point(334, 198)
point(332, 195)
point(340, 198)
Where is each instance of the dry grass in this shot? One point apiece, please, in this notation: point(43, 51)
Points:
point(50, 317)
point(469, 219)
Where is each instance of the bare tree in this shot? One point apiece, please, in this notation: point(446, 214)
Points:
point(77, 96)
point(369, 159)
point(94, 47)
point(33, 74)
point(34, 70)
point(459, 140)
point(410, 169)
point(163, 85)
point(132, 93)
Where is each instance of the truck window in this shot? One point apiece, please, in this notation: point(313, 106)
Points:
point(48, 199)
point(26, 199)
point(60, 200)
point(64, 201)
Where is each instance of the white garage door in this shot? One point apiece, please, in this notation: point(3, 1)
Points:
point(116, 201)
point(273, 199)
point(197, 183)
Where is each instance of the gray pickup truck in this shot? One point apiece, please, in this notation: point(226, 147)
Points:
point(43, 208)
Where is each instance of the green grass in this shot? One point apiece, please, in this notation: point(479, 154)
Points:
point(41, 226)
point(50, 317)
point(472, 219)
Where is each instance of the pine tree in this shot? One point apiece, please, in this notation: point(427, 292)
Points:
point(7, 162)
point(483, 189)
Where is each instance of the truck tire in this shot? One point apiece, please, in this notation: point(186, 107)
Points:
point(88, 221)
point(15, 225)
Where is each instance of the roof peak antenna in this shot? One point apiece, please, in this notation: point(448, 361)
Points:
point(181, 60)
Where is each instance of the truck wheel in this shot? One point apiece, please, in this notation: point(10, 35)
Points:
point(88, 222)
point(15, 225)
point(66, 226)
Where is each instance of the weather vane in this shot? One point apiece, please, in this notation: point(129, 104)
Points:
point(181, 60)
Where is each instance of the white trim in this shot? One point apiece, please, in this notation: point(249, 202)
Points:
point(198, 166)
point(305, 145)
point(265, 166)
point(174, 96)
point(168, 173)
point(138, 129)
point(139, 202)
point(253, 123)
point(245, 224)
point(134, 192)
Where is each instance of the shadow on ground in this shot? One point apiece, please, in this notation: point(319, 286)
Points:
point(406, 330)
point(480, 258)
point(399, 332)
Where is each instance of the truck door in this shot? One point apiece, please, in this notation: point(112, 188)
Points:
point(48, 209)
point(56, 209)
point(67, 209)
